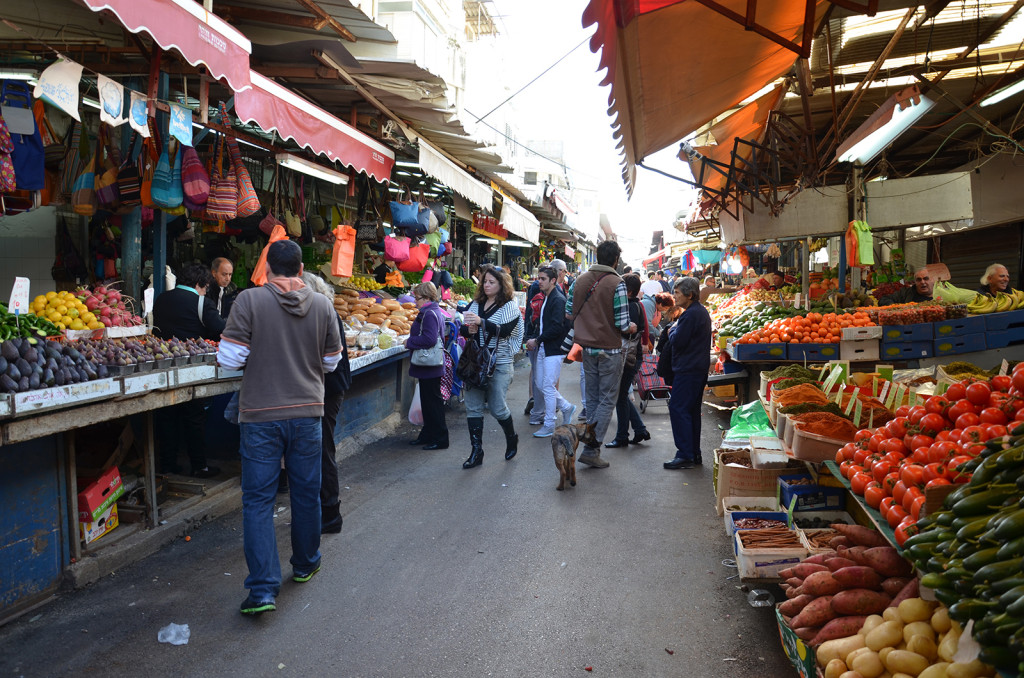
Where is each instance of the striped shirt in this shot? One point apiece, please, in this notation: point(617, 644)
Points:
point(498, 327)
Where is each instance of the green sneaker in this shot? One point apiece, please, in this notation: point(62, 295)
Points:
point(252, 606)
point(303, 578)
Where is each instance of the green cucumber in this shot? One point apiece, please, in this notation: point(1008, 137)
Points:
point(982, 502)
point(1016, 608)
point(1010, 527)
point(998, 571)
point(1012, 548)
point(929, 537)
point(970, 608)
point(972, 530)
point(999, 657)
point(1017, 592)
point(981, 558)
point(946, 596)
point(935, 580)
point(1001, 587)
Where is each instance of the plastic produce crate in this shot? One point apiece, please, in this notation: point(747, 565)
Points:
point(810, 497)
point(906, 350)
point(1004, 338)
point(1004, 321)
point(915, 332)
point(754, 352)
point(958, 327)
point(967, 343)
point(732, 516)
point(803, 352)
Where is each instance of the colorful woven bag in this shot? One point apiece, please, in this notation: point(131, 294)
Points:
point(195, 181)
point(222, 205)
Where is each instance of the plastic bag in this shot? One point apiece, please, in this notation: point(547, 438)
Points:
point(416, 408)
point(749, 420)
point(344, 251)
point(259, 271)
point(944, 291)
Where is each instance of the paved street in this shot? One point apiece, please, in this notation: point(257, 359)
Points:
point(444, 572)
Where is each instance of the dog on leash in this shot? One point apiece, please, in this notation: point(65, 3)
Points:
point(563, 444)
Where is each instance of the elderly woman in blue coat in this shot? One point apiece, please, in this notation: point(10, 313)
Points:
point(689, 340)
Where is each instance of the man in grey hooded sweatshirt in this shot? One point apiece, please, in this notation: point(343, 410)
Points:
point(285, 337)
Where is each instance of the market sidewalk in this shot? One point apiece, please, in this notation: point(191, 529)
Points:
point(445, 572)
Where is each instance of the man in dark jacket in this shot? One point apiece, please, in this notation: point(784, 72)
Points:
point(547, 333)
point(223, 292)
point(184, 314)
point(921, 290)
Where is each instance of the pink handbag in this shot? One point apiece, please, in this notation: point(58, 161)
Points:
point(396, 249)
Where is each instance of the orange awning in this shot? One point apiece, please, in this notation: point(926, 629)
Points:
point(747, 123)
point(673, 65)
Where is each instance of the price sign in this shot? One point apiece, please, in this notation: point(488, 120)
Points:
point(19, 297)
point(885, 391)
point(1004, 367)
point(147, 301)
point(901, 392)
point(858, 411)
point(849, 406)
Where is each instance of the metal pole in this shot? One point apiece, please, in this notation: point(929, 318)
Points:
point(805, 272)
point(160, 222)
point(131, 254)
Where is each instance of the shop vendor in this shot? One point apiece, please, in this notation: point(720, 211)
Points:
point(995, 279)
point(921, 290)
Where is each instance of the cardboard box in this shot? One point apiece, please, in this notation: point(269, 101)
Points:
point(99, 496)
point(93, 530)
point(801, 654)
point(733, 480)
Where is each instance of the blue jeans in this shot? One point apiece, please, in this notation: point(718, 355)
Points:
point(263, 444)
point(493, 394)
point(684, 413)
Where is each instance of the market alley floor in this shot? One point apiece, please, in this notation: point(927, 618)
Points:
point(445, 572)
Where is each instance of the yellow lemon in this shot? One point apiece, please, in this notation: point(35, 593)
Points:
point(41, 299)
point(66, 319)
point(53, 316)
point(76, 324)
point(62, 309)
point(73, 312)
point(88, 317)
point(51, 295)
point(95, 325)
point(61, 326)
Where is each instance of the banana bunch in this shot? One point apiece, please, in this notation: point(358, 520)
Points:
point(1002, 302)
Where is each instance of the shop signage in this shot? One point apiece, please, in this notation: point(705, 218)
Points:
point(19, 296)
point(488, 226)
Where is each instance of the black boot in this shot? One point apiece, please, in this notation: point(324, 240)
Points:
point(511, 438)
point(476, 439)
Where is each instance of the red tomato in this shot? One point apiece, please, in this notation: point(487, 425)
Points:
point(876, 440)
point(847, 451)
point(862, 435)
point(915, 414)
point(960, 407)
point(897, 428)
point(956, 392)
point(894, 445)
point(936, 482)
point(917, 506)
point(995, 431)
point(873, 494)
point(889, 482)
point(973, 434)
point(1000, 383)
point(992, 415)
point(978, 393)
point(974, 449)
point(940, 452)
point(932, 423)
point(1012, 405)
point(896, 515)
point(844, 468)
point(912, 475)
point(898, 491)
point(860, 455)
point(881, 469)
point(934, 470)
point(905, 530)
point(945, 436)
point(967, 419)
point(920, 440)
point(859, 482)
point(937, 405)
point(902, 411)
point(913, 493)
point(886, 504)
point(1018, 378)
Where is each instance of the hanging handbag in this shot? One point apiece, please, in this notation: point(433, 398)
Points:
point(417, 261)
point(73, 159)
point(292, 223)
point(107, 192)
point(396, 249)
point(53, 145)
point(268, 222)
point(195, 181)
point(83, 192)
point(163, 191)
point(28, 155)
point(8, 182)
point(432, 221)
point(128, 182)
point(248, 203)
point(369, 227)
point(344, 252)
point(222, 203)
point(317, 224)
point(148, 160)
point(407, 216)
point(429, 357)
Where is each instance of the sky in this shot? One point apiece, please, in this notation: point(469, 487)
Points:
point(567, 103)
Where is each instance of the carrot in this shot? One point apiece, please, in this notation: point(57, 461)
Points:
point(858, 577)
point(838, 562)
point(820, 584)
point(893, 585)
point(804, 569)
point(887, 562)
point(817, 612)
point(860, 535)
point(795, 605)
point(908, 591)
point(840, 627)
point(860, 601)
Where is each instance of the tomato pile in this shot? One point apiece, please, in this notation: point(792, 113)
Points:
point(814, 328)
point(930, 445)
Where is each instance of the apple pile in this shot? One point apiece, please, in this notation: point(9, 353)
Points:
point(109, 306)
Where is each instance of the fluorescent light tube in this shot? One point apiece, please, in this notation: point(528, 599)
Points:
point(1004, 93)
point(18, 74)
point(312, 169)
point(884, 126)
point(90, 102)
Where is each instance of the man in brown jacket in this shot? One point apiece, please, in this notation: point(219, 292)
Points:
point(599, 309)
point(286, 338)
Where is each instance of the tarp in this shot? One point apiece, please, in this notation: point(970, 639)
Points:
point(674, 65)
point(275, 108)
point(199, 36)
point(434, 163)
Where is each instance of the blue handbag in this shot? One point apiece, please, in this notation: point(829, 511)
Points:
point(29, 155)
point(409, 216)
point(444, 235)
point(166, 190)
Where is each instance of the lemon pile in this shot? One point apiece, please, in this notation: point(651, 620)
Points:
point(66, 311)
point(364, 282)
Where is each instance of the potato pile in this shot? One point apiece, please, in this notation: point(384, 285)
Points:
point(388, 314)
point(915, 638)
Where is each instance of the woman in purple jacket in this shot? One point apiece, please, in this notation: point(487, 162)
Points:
point(428, 326)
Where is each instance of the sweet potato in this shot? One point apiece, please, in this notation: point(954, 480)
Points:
point(804, 569)
point(793, 606)
point(790, 592)
point(818, 559)
point(854, 553)
point(886, 561)
point(908, 591)
point(795, 581)
point(807, 634)
point(836, 542)
point(860, 602)
point(860, 535)
point(893, 585)
point(858, 577)
point(838, 562)
point(820, 584)
point(840, 627)
point(817, 612)
point(786, 574)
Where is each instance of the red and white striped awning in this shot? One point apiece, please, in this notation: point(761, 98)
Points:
point(277, 109)
point(199, 36)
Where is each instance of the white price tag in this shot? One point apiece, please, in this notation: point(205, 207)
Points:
point(857, 412)
point(885, 391)
point(147, 301)
point(19, 297)
point(1004, 367)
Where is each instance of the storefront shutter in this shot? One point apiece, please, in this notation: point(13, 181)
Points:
point(967, 254)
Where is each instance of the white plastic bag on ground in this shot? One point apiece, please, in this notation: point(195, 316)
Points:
point(175, 634)
point(416, 409)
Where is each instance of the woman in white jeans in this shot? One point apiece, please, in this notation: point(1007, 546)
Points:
point(548, 333)
point(493, 320)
